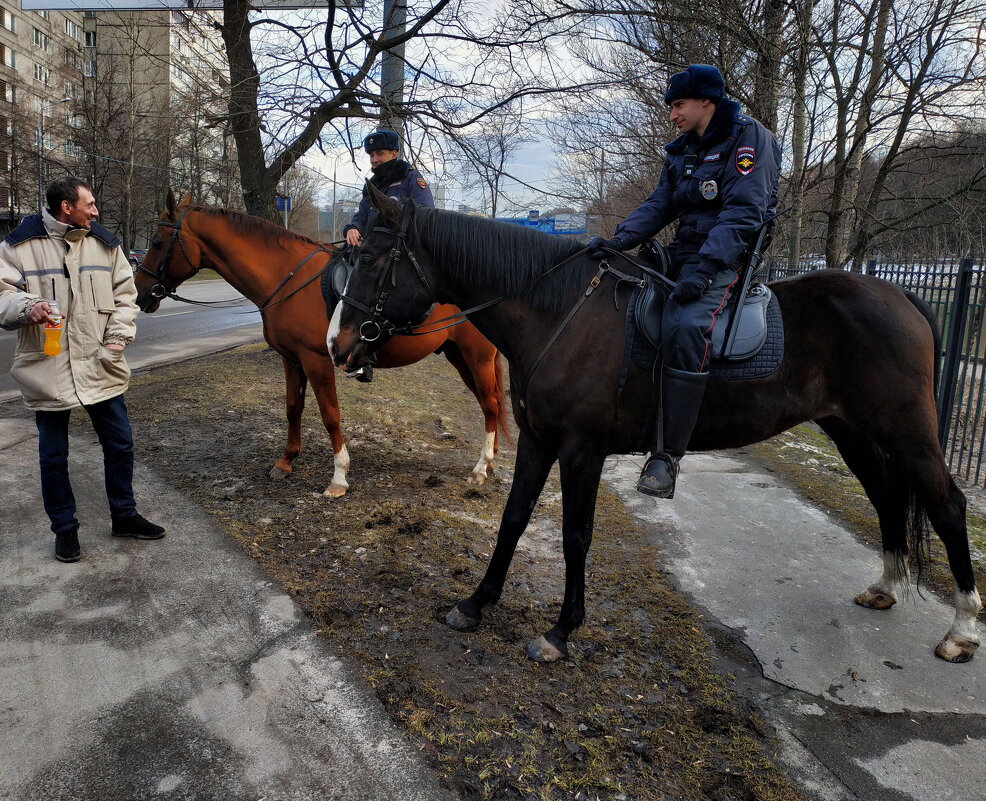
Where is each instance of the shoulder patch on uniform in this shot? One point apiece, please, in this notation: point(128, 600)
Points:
point(422, 182)
point(746, 159)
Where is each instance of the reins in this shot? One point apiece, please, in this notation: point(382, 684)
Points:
point(161, 290)
point(371, 330)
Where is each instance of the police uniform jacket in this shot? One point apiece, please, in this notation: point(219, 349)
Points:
point(85, 271)
point(396, 179)
point(719, 187)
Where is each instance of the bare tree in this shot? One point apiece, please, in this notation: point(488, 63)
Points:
point(309, 83)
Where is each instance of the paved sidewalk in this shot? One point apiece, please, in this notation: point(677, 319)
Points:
point(862, 707)
point(170, 669)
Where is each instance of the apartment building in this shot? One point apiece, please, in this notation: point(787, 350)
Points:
point(132, 101)
point(41, 75)
point(155, 91)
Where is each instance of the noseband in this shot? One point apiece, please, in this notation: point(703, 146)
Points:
point(160, 289)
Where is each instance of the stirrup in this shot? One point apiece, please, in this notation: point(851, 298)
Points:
point(658, 477)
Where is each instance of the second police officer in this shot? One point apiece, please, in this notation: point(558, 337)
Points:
point(391, 175)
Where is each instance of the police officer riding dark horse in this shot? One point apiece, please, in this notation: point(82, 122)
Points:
point(719, 181)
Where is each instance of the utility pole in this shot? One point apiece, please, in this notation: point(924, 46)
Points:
point(392, 65)
point(335, 226)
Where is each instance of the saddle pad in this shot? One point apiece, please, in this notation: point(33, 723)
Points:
point(762, 364)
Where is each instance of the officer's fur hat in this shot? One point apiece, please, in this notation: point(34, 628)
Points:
point(699, 81)
point(381, 140)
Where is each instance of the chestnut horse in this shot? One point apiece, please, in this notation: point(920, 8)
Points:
point(860, 358)
point(279, 271)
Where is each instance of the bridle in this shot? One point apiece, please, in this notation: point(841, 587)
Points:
point(378, 324)
point(161, 290)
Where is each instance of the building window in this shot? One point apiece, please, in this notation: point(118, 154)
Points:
point(45, 14)
point(90, 68)
point(7, 20)
point(71, 89)
point(7, 92)
point(72, 59)
point(41, 40)
point(72, 29)
point(42, 74)
point(90, 38)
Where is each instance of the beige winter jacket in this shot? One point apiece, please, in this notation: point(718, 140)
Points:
point(87, 273)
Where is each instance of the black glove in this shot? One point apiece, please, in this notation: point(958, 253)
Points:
point(690, 288)
point(597, 243)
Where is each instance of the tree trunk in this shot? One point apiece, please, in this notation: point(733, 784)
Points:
point(259, 191)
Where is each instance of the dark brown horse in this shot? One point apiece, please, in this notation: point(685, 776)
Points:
point(257, 257)
point(859, 358)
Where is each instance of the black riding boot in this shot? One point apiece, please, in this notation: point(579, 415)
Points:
point(681, 398)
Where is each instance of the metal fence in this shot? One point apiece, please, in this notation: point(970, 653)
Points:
point(956, 291)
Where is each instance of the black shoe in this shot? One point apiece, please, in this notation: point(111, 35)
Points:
point(67, 546)
point(658, 476)
point(136, 526)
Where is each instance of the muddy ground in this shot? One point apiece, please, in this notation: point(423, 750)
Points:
point(637, 710)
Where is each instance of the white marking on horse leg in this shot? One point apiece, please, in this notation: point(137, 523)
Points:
point(967, 608)
point(339, 484)
point(485, 463)
point(962, 640)
point(883, 594)
point(333, 331)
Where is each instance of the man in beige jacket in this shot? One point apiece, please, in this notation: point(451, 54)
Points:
point(63, 255)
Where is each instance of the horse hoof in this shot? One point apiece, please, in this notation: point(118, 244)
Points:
point(540, 650)
point(477, 478)
point(461, 622)
point(874, 598)
point(956, 649)
point(279, 472)
point(335, 491)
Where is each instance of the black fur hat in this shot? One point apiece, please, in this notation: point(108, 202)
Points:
point(381, 140)
point(699, 81)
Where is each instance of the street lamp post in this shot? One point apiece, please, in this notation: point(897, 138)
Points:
point(41, 146)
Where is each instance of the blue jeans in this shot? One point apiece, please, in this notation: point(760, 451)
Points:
point(109, 419)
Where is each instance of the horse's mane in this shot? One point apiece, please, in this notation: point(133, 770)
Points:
point(504, 257)
point(271, 234)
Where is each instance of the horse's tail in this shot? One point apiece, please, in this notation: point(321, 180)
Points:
point(917, 516)
point(502, 418)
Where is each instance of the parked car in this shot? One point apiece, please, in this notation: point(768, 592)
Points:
point(136, 257)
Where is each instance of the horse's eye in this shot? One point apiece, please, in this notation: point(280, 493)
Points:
point(366, 260)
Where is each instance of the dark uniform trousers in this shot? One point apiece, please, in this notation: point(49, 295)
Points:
point(686, 328)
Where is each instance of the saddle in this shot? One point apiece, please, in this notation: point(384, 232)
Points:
point(747, 341)
point(333, 280)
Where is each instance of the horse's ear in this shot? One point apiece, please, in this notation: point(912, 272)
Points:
point(186, 201)
point(170, 206)
point(390, 210)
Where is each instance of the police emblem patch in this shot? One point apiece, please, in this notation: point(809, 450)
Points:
point(746, 159)
point(709, 189)
point(422, 183)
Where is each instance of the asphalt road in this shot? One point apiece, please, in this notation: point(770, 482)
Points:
point(176, 331)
